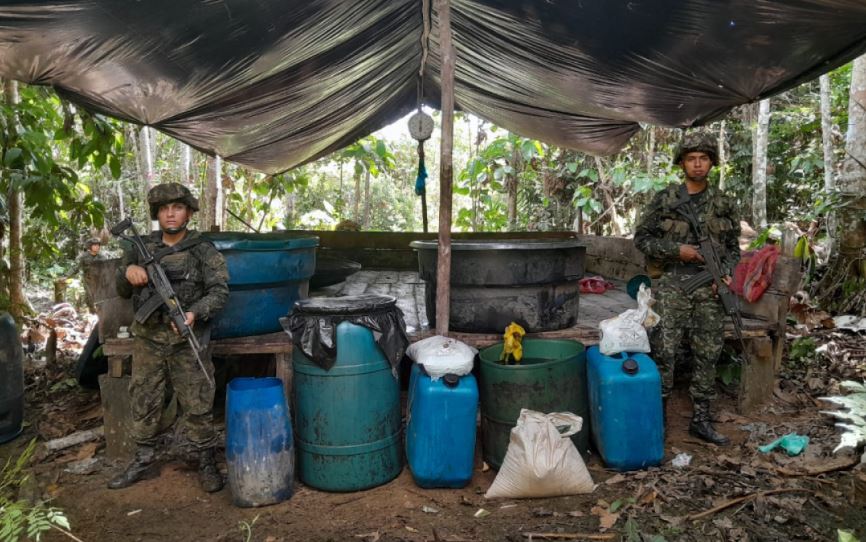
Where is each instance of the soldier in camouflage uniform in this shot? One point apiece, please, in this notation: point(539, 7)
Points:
point(86, 259)
point(671, 246)
point(198, 275)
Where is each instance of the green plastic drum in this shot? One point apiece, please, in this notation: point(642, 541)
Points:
point(550, 378)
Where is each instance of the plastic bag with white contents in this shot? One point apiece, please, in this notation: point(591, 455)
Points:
point(626, 332)
point(441, 356)
point(541, 461)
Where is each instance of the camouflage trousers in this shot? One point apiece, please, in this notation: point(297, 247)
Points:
point(700, 319)
point(154, 365)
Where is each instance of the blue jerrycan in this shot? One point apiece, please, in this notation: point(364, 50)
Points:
point(260, 451)
point(625, 405)
point(440, 432)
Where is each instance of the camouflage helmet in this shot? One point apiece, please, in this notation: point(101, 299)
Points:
point(163, 194)
point(697, 142)
point(92, 241)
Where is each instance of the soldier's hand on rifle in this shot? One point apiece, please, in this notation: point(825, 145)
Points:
point(190, 320)
point(690, 253)
point(136, 275)
point(726, 279)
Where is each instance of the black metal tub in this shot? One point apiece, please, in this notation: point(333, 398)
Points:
point(533, 282)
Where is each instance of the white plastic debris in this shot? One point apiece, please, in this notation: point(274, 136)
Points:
point(441, 356)
point(626, 332)
point(682, 460)
point(850, 322)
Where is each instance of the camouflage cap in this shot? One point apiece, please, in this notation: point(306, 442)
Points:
point(163, 194)
point(92, 241)
point(697, 142)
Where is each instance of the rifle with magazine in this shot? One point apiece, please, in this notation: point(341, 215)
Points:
point(712, 274)
point(164, 294)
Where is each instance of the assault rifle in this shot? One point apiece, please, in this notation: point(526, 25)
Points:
point(713, 269)
point(163, 293)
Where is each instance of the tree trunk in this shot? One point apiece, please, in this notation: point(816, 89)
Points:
point(289, 220)
point(843, 287)
point(210, 204)
point(827, 132)
point(18, 304)
point(357, 196)
point(366, 223)
point(609, 203)
point(145, 148)
point(186, 165)
point(759, 166)
point(723, 158)
point(511, 185)
point(651, 152)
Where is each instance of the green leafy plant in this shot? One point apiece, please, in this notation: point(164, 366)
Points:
point(802, 349)
point(20, 518)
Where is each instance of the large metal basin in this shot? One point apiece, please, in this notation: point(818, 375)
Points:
point(533, 282)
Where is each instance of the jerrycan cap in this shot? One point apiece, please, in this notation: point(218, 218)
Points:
point(629, 367)
point(451, 380)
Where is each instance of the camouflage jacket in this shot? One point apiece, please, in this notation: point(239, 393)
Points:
point(662, 229)
point(84, 260)
point(198, 275)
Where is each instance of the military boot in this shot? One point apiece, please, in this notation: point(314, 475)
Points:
point(208, 474)
point(144, 456)
point(702, 427)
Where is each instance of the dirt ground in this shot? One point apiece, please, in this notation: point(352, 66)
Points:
point(743, 494)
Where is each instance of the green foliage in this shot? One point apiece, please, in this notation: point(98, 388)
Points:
point(20, 519)
point(50, 151)
point(802, 349)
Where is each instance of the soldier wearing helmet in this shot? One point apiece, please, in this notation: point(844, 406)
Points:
point(199, 277)
point(670, 245)
point(91, 253)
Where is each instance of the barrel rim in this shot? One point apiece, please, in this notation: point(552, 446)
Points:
point(501, 244)
point(496, 364)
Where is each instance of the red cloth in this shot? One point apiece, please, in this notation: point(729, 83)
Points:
point(594, 285)
point(754, 273)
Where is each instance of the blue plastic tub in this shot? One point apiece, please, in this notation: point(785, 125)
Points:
point(625, 404)
point(268, 272)
point(440, 433)
point(348, 418)
point(259, 445)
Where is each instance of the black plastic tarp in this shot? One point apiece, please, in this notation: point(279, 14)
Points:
point(275, 83)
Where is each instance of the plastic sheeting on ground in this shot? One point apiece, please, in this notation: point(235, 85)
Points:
point(275, 83)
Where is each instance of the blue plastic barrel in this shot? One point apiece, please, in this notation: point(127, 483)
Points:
point(11, 379)
point(625, 404)
point(440, 433)
point(259, 445)
point(268, 272)
point(348, 418)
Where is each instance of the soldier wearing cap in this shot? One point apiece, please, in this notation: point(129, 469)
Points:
point(198, 275)
point(86, 259)
point(670, 245)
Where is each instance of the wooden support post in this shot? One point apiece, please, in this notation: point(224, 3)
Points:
point(443, 271)
point(285, 372)
point(758, 376)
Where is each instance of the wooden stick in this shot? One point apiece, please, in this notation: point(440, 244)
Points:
point(443, 271)
point(570, 536)
point(749, 497)
point(814, 472)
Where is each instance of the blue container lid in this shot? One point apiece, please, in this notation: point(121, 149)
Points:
point(270, 241)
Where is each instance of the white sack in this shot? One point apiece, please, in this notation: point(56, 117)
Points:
point(441, 356)
point(627, 331)
point(541, 461)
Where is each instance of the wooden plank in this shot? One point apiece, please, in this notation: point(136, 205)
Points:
point(757, 377)
point(446, 167)
point(284, 370)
